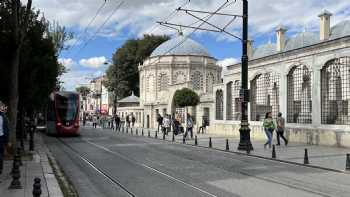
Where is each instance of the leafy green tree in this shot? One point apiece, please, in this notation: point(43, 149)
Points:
point(186, 97)
point(126, 60)
point(83, 91)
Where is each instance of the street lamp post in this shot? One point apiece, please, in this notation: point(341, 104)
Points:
point(244, 142)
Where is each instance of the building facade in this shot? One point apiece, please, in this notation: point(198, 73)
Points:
point(306, 77)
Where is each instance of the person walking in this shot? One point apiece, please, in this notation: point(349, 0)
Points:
point(166, 124)
point(117, 122)
point(280, 129)
point(160, 121)
point(127, 121)
point(189, 126)
point(94, 122)
point(203, 126)
point(4, 134)
point(269, 127)
point(133, 120)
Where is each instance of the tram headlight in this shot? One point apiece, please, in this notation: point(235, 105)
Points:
point(59, 124)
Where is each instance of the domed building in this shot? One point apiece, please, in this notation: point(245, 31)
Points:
point(177, 63)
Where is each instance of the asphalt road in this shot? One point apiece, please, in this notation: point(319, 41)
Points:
point(105, 163)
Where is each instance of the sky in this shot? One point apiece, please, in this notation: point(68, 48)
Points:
point(100, 27)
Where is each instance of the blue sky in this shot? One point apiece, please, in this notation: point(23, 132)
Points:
point(136, 17)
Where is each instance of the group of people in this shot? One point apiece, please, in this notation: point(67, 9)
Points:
point(168, 123)
point(111, 122)
point(4, 133)
point(270, 125)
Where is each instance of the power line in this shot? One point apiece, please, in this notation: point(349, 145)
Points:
point(89, 24)
point(169, 17)
point(100, 27)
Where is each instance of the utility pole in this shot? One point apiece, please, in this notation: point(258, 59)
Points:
point(244, 142)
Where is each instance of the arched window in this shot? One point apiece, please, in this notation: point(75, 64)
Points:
point(219, 105)
point(229, 109)
point(299, 103)
point(197, 80)
point(335, 93)
point(163, 82)
point(179, 77)
point(209, 81)
point(264, 96)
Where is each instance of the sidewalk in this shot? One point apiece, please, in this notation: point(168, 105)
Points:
point(321, 156)
point(37, 166)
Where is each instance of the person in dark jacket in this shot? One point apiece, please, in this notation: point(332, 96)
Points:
point(4, 133)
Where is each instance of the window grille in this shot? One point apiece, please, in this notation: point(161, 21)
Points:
point(335, 93)
point(163, 82)
point(229, 108)
point(264, 96)
point(299, 100)
point(210, 80)
point(197, 80)
point(219, 105)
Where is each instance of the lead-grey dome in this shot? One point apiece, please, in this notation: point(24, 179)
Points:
point(301, 40)
point(180, 46)
point(340, 30)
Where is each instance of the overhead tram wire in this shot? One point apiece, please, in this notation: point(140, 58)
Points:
point(204, 20)
point(89, 24)
point(100, 27)
point(169, 17)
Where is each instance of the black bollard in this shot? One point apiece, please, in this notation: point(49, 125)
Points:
point(131, 131)
point(306, 157)
point(122, 129)
point(37, 187)
point(210, 144)
point(142, 132)
point(137, 132)
point(273, 152)
point(183, 140)
point(16, 174)
point(163, 135)
point(156, 135)
point(347, 162)
point(173, 138)
point(127, 130)
point(227, 145)
point(149, 134)
point(195, 140)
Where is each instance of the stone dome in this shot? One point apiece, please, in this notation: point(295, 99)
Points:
point(301, 40)
point(187, 47)
point(264, 50)
point(340, 30)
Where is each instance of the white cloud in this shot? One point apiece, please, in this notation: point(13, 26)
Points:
point(66, 62)
point(139, 16)
point(226, 62)
point(93, 62)
point(73, 79)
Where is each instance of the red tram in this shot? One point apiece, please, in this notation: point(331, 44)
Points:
point(63, 113)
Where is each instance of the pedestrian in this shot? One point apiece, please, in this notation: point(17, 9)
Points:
point(117, 122)
point(160, 121)
point(166, 124)
point(280, 129)
point(4, 133)
point(127, 121)
point(203, 126)
point(84, 119)
point(269, 127)
point(94, 122)
point(189, 126)
point(133, 120)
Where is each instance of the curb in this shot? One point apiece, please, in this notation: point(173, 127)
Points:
point(52, 185)
point(258, 156)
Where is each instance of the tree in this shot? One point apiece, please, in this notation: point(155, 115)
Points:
point(122, 76)
point(37, 68)
point(83, 91)
point(186, 97)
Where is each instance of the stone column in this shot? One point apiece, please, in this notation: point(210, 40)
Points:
point(316, 96)
point(283, 94)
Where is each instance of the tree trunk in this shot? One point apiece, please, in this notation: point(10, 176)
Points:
point(13, 103)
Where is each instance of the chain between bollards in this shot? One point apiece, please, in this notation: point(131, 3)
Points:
point(37, 187)
point(306, 157)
